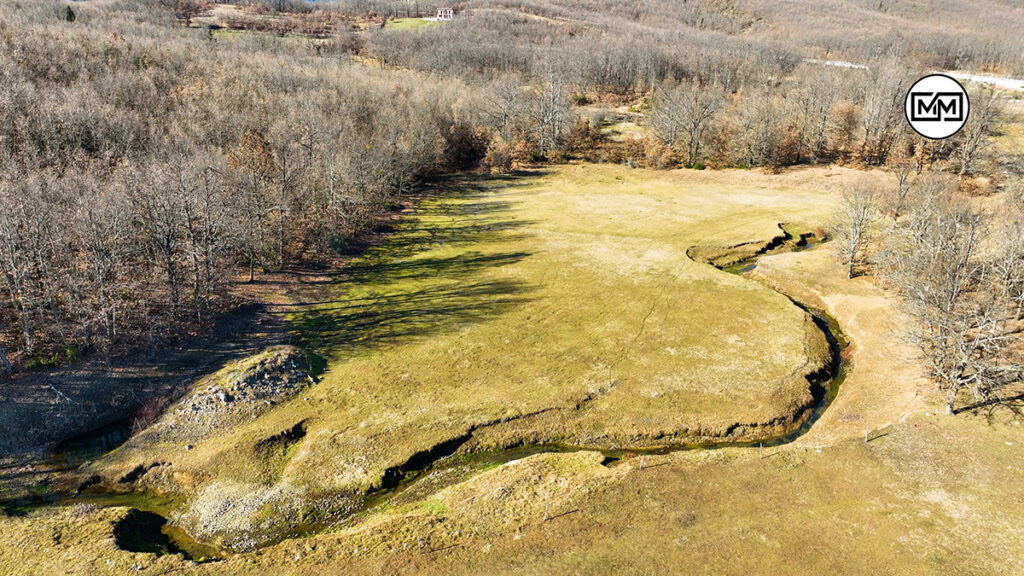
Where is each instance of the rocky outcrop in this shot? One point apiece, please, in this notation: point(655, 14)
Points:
point(239, 392)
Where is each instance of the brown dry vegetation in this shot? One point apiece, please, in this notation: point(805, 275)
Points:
point(164, 160)
point(160, 159)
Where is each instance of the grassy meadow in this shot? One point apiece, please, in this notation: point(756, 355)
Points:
point(353, 294)
point(471, 320)
point(542, 307)
point(409, 23)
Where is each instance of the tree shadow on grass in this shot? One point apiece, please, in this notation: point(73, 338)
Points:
point(1000, 405)
point(45, 407)
point(391, 318)
point(434, 272)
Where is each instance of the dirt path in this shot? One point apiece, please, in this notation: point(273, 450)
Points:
point(870, 320)
point(1003, 82)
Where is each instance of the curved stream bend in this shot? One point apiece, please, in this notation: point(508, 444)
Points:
point(172, 539)
point(449, 458)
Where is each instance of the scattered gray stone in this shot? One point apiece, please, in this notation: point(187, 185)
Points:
point(246, 392)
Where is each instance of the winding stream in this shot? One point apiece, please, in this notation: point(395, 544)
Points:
point(146, 528)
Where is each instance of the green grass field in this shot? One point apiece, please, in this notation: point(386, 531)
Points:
point(505, 296)
point(410, 24)
point(541, 307)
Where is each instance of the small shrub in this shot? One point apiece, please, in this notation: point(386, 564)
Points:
point(634, 152)
point(41, 361)
point(499, 157)
point(435, 507)
point(584, 135)
point(581, 99)
point(658, 155)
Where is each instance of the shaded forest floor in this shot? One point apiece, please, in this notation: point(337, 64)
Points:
point(42, 410)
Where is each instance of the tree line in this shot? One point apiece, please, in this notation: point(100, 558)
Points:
point(957, 262)
point(144, 170)
point(150, 167)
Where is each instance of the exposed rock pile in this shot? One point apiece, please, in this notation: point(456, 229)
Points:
point(244, 516)
point(239, 392)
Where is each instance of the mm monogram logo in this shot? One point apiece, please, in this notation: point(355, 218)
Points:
point(937, 106)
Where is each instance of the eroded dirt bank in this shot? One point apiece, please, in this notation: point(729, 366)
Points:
point(433, 507)
point(249, 388)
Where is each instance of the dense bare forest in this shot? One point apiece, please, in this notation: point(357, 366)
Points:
point(152, 162)
point(481, 286)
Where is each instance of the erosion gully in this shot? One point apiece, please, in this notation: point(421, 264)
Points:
point(146, 528)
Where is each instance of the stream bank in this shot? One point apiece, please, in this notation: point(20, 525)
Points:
point(451, 464)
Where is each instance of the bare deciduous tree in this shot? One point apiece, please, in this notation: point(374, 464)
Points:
point(759, 129)
point(956, 296)
point(1009, 259)
point(882, 109)
point(682, 113)
point(257, 170)
point(818, 91)
point(4, 361)
point(903, 167)
point(503, 106)
point(976, 134)
point(550, 112)
point(857, 213)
